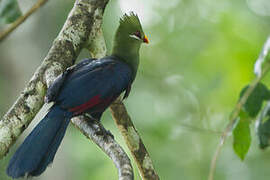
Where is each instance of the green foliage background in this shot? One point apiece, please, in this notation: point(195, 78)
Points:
point(201, 54)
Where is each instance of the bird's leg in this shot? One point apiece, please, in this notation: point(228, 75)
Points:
point(95, 119)
point(104, 131)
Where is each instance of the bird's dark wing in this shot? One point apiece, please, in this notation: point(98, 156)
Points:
point(55, 87)
point(94, 86)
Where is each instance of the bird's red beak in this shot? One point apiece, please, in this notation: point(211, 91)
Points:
point(145, 39)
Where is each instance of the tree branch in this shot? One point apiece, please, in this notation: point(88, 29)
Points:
point(133, 140)
point(94, 131)
point(21, 19)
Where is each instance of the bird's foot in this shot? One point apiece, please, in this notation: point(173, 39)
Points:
point(105, 132)
point(108, 133)
point(101, 129)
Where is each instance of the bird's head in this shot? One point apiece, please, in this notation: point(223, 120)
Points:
point(128, 39)
point(130, 29)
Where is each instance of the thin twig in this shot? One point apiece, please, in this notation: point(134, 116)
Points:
point(233, 119)
point(21, 19)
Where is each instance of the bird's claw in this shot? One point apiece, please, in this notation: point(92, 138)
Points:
point(105, 133)
point(102, 130)
point(108, 133)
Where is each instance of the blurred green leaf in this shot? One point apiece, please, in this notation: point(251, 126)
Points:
point(9, 11)
point(255, 100)
point(263, 130)
point(241, 136)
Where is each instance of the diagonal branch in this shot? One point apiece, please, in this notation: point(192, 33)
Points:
point(21, 19)
point(133, 140)
point(93, 130)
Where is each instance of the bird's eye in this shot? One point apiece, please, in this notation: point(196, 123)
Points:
point(138, 34)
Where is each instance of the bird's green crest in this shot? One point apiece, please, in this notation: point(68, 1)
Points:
point(131, 22)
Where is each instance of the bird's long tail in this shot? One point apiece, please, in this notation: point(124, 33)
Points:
point(39, 148)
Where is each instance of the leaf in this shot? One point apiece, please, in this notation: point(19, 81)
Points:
point(264, 55)
point(9, 11)
point(255, 100)
point(263, 128)
point(241, 136)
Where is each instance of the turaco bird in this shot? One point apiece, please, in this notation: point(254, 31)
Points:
point(89, 87)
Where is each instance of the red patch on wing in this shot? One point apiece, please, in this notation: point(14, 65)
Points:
point(83, 107)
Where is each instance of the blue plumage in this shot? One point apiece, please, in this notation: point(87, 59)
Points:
point(106, 77)
point(90, 86)
point(39, 148)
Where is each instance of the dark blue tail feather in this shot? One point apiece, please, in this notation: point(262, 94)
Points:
point(39, 148)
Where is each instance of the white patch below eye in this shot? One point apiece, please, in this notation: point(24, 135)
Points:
point(135, 37)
